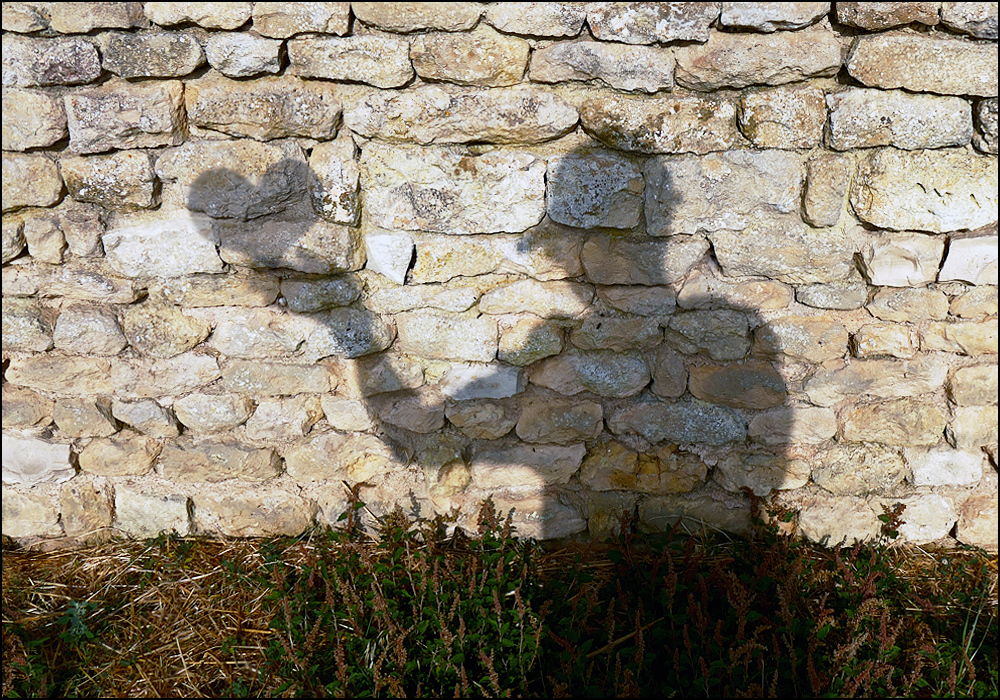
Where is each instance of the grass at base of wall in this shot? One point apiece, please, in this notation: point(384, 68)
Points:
point(418, 611)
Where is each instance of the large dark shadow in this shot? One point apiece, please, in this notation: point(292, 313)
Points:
point(675, 404)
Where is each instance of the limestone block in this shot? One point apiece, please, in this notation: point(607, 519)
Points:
point(528, 340)
point(902, 260)
point(378, 374)
point(972, 427)
point(978, 19)
point(31, 61)
point(335, 190)
point(906, 421)
point(211, 15)
point(315, 247)
point(538, 515)
point(603, 372)
point(185, 460)
point(283, 418)
point(31, 513)
point(703, 291)
point(61, 374)
point(978, 302)
point(153, 55)
point(346, 332)
point(30, 180)
point(441, 113)
point(985, 137)
point(754, 385)
point(85, 507)
point(524, 467)
point(612, 466)
point(456, 297)
point(239, 331)
point(587, 191)
point(536, 18)
point(25, 18)
point(142, 514)
point(28, 461)
point(82, 225)
point(913, 61)
point(200, 290)
point(761, 472)
point(828, 177)
point(772, 16)
point(446, 191)
point(605, 511)
point(739, 60)
point(345, 414)
point(146, 416)
point(13, 241)
point(928, 517)
point(879, 339)
point(904, 304)
point(121, 181)
point(885, 15)
point(862, 117)
point(161, 244)
point(282, 20)
point(469, 381)
point(389, 254)
point(330, 456)
point(721, 334)
point(212, 413)
point(619, 66)
point(611, 333)
point(610, 260)
point(556, 299)
point(26, 326)
point(668, 372)
point(481, 57)
point(81, 18)
point(963, 337)
point(482, 420)
point(32, 119)
point(783, 117)
point(412, 16)
point(972, 257)
point(240, 55)
point(795, 426)
point(942, 466)
point(261, 512)
point(441, 336)
point(420, 412)
point(145, 378)
point(276, 379)
point(642, 301)
point(847, 469)
point(700, 513)
point(375, 59)
point(85, 329)
point(648, 23)
point(974, 386)
point(977, 520)
point(307, 294)
point(685, 124)
point(562, 422)
point(121, 115)
point(729, 190)
point(84, 417)
point(838, 521)
point(265, 109)
point(882, 378)
point(679, 421)
point(45, 240)
point(25, 409)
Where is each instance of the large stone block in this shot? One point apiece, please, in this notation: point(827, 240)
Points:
point(560, 422)
point(944, 466)
point(754, 385)
point(306, 294)
point(25, 409)
point(185, 460)
point(148, 378)
point(976, 303)
point(963, 337)
point(972, 427)
point(974, 386)
point(259, 512)
point(311, 246)
point(860, 118)
point(346, 332)
point(84, 417)
point(140, 513)
point(603, 372)
point(334, 192)
point(905, 421)
point(905, 304)
point(619, 66)
point(31, 61)
point(200, 290)
point(331, 457)
point(978, 19)
point(972, 258)
point(283, 418)
point(414, 16)
point(243, 55)
point(62, 374)
point(120, 181)
point(161, 244)
point(152, 55)
point(594, 190)
point(382, 60)
point(707, 291)
point(885, 15)
point(703, 512)
point(680, 422)
point(86, 329)
point(784, 117)
point(762, 472)
point(879, 378)
point(441, 336)
point(613, 333)
point(556, 299)
point(927, 517)
point(772, 16)
point(902, 260)
point(828, 177)
point(811, 338)
point(27, 326)
point(246, 332)
point(838, 521)
point(211, 15)
point(31, 513)
point(282, 20)
point(30, 180)
point(793, 426)
point(521, 467)
point(121, 115)
point(91, 281)
point(32, 119)
point(481, 57)
point(85, 507)
point(146, 416)
point(648, 23)
point(536, 18)
point(612, 261)
point(847, 469)
point(277, 379)
point(28, 461)
point(470, 381)
point(212, 413)
point(721, 334)
point(880, 339)
point(81, 18)
point(985, 138)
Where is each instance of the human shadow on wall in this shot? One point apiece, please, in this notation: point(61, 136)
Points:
point(611, 394)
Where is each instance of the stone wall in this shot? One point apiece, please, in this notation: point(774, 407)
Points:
point(585, 258)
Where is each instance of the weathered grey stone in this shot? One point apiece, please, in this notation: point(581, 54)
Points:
point(862, 117)
point(828, 177)
point(436, 335)
point(239, 55)
point(163, 331)
point(85, 507)
point(796, 426)
point(30, 62)
point(314, 247)
point(121, 181)
point(32, 513)
point(447, 191)
point(912, 61)
point(858, 469)
point(964, 337)
point(77, 18)
point(146, 416)
point(972, 427)
point(120, 115)
point(612, 333)
point(978, 302)
point(754, 385)
point(739, 60)
point(884, 15)
point(25, 18)
point(972, 257)
point(880, 339)
point(647, 22)
point(465, 382)
point(906, 304)
point(452, 114)
point(85, 329)
point(703, 291)
point(346, 414)
point(699, 513)
point(560, 422)
point(536, 18)
point(679, 421)
point(185, 460)
point(46, 242)
point(262, 512)
point(481, 57)
point(669, 373)
point(148, 378)
point(153, 55)
point(420, 412)
point(13, 240)
point(902, 260)
point(142, 514)
point(985, 137)
point(346, 332)
point(482, 420)
point(524, 467)
point(906, 421)
point(556, 299)
point(623, 67)
point(609, 260)
point(236, 332)
point(25, 409)
point(688, 194)
point(944, 467)
point(389, 254)
point(928, 517)
point(772, 16)
point(30, 180)
point(687, 124)
point(528, 340)
point(283, 418)
point(211, 15)
point(335, 190)
point(642, 301)
point(838, 521)
point(978, 19)
point(333, 456)
point(587, 191)
point(62, 374)
point(268, 108)
point(974, 386)
point(26, 326)
point(308, 295)
point(199, 290)
point(722, 334)
point(161, 244)
point(762, 472)
point(282, 20)
point(881, 378)
point(28, 461)
point(602, 372)
point(84, 418)
point(783, 117)
point(276, 379)
point(376, 59)
point(32, 119)
point(412, 16)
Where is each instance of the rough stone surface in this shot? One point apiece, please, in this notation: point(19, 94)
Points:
point(976, 303)
point(881, 339)
point(972, 258)
point(858, 468)
point(536, 18)
point(974, 386)
point(611, 333)
point(436, 335)
point(85, 508)
point(200, 290)
point(161, 244)
point(263, 512)
point(482, 420)
point(972, 427)
point(283, 418)
point(211, 15)
point(314, 247)
point(885, 15)
point(119, 115)
point(902, 260)
point(186, 460)
point(524, 467)
point(31, 513)
point(704, 291)
point(28, 461)
point(84, 418)
point(159, 55)
point(25, 409)
point(146, 416)
point(828, 177)
point(330, 456)
point(26, 326)
point(31, 62)
point(862, 117)
point(912, 61)
point(212, 413)
point(978, 19)
point(556, 299)
point(30, 180)
point(977, 519)
point(880, 378)
point(345, 414)
point(32, 119)
point(619, 66)
point(145, 378)
point(308, 295)
point(642, 301)
point(466, 382)
point(282, 20)
point(142, 514)
point(720, 334)
point(964, 337)
point(243, 55)
point(754, 385)
point(13, 239)
point(118, 181)
point(389, 254)
point(276, 379)
point(783, 117)
point(612, 466)
point(648, 22)
point(944, 467)
point(761, 472)
point(410, 16)
point(62, 374)
point(798, 425)
point(480, 57)
point(45, 240)
point(985, 137)
point(679, 421)
point(560, 422)
point(699, 513)
point(379, 60)
point(897, 422)
point(81, 18)
point(772, 16)
point(603, 372)
point(334, 193)
point(904, 303)
point(929, 517)
point(528, 340)
point(838, 521)
point(86, 329)
point(588, 191)
point(613, 261)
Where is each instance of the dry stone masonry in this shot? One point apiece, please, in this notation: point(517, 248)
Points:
point(583, 258)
